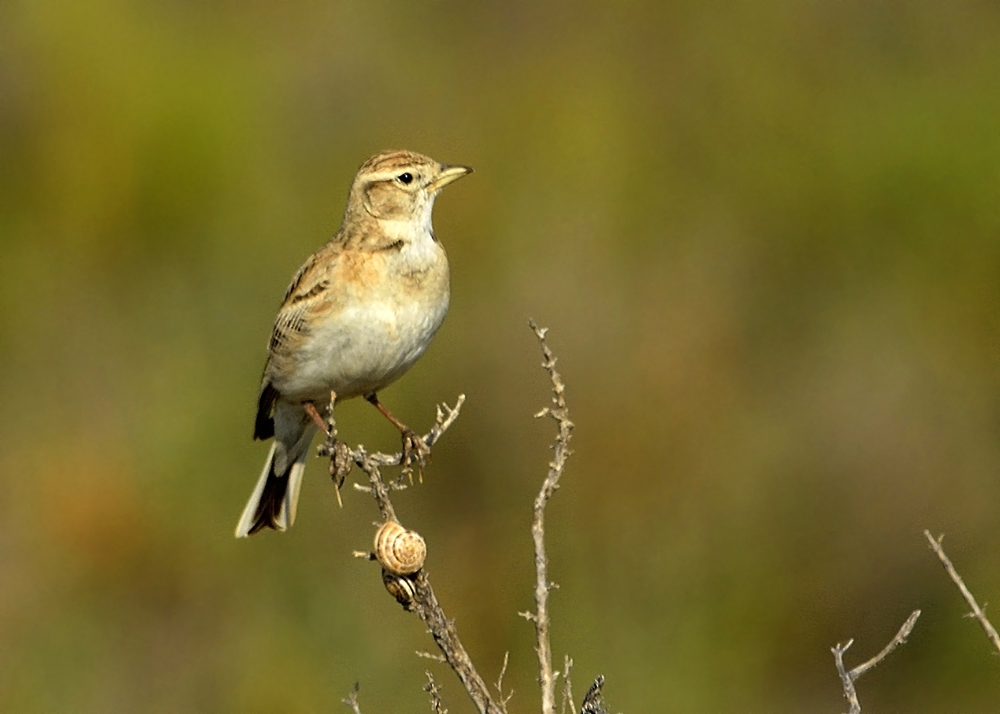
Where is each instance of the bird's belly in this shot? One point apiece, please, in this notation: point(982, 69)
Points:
point(363, 350)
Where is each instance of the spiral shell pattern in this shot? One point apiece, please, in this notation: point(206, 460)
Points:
point(400, 587)
point(398, 550)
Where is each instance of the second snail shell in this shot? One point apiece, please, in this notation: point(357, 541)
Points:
point(399, 550)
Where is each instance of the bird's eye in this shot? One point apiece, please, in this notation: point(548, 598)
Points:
point(405, 178)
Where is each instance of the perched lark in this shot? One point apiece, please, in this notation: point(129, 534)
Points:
point(356, 316)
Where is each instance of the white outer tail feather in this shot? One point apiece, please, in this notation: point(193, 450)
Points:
point(286, 516)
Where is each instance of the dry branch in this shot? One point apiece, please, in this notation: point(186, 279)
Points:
point(567, 690)
point(560, 414)
point(427, 607)
point(977, 612)
point(413, 591)
point(504, 698)
point(848, 678)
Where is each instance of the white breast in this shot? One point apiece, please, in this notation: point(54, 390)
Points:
point(380, 333)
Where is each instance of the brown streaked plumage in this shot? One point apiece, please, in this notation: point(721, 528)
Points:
point(356, 316)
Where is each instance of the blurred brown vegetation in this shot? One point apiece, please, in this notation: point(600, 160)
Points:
point(766, 238)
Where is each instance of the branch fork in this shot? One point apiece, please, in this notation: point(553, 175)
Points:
point(411, 586)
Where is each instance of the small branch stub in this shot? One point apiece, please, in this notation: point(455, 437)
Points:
point(432, 688)
point(399, 551)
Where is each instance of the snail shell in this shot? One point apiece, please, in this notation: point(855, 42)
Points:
point(401, 588)
point(398, 550)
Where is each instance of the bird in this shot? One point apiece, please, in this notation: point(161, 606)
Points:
point(356, 316)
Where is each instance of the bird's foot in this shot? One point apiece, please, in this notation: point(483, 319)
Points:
point(415, 449)
point(341, 463)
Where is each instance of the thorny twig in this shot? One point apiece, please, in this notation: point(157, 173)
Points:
point(567, 690)
point(499, 683)
point(424, 602)
point(415, 591)
point(559, 413)
point(340, 454)
point(977, 611)
point(432, 688)
point(342, 457)
point(848, 678)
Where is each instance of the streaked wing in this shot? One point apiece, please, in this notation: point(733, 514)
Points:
point(304, 300)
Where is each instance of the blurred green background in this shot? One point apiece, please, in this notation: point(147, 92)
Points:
point(765, 236)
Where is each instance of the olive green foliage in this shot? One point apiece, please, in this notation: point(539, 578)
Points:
point(765, 236)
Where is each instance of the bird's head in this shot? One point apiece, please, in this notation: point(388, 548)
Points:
point(402, 185)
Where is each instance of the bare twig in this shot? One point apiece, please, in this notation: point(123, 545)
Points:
point(352, 699)
point(977, 611)
point(445, 417)
point(567, 690)
point(427, 607)
point(499, 684)
point(593, 702)
point(414, 591)
point(432, 688)
point(559, 413)
point(848, 678)
point(372, 463)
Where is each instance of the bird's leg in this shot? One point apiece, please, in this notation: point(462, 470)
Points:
point(413, 445)
point(315, 416)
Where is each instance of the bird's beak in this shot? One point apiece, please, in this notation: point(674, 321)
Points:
point(447, 175)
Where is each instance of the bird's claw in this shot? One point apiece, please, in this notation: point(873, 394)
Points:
point(415, 449)
point(341, 461)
